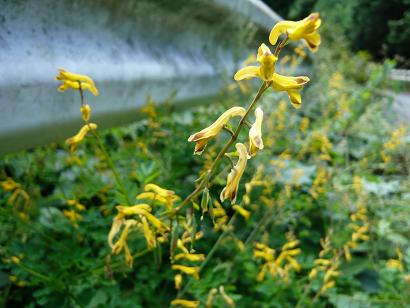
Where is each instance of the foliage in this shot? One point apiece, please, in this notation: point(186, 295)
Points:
point(332, 181)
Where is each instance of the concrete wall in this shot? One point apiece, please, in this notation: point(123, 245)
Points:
point(131, 48)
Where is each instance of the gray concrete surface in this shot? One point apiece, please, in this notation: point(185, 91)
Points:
point(131, 48)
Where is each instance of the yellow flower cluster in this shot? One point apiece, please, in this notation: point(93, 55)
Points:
point(320, 143)
point(306, 30)
point(76, 82)
point(360, 226)
point(283, 264)
point(79, 82)
point(184, 254)
point(73, 213)
point(396, 264)
point(153, 229)
point(319, 182)
point(19, 198)
point(327, 264)
point(393, 143)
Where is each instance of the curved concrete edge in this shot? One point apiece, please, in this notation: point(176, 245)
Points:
point(130, 48)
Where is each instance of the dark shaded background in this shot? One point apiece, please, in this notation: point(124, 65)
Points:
point(381, 27)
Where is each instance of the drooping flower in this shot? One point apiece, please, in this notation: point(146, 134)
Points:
point(231, 189)
point(185, 303)
point(255, 133)
point(72, 80)
point(266, 72)
point(188, 270)
point(85, 112)
point(76, 139)
point(291, 85)
point(201, 138)
point(295, 30)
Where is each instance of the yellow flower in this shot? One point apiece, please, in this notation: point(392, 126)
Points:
point(255, 133)
point(160, 191)
point(226, 298)
point(185, 303)
point(72, 80)
point(140, 209)
point(115, 228)
point(190, 257)
point(201, 138)
point(231, 189)
point(189, 270)
point(76, 139)
point(244, 213)
point(143, 209)
point(15, 260)
point(86, 112)
point(148, 234)
point(178, 281)
point(291, 85)
point(295, 30)
point(9, 184)
point(266, 72)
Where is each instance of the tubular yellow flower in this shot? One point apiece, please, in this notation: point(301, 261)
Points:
point(255, 133)
point(190, 257)
point(295, 30)
point(121, 243)
point(143, 209)
point(226, 298)
point(185, 303)
point(148, 234)
point(139, 209)
point(244, 213)
point(265, 71)
point(9, 184)
point(231, 189)
point(72, 80)
point(86, 112)
point(291, 85)
point(201, 138)
point(76, 139)
point(178, 281)
point(115, 228)
point(189, 270)
point(158, 190)
point(152, 196)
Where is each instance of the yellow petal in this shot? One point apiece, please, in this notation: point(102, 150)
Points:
point(280, 28)
point(247, 72)
point(263, 51)
point(201, 138)
point(76, 139)
point(313, 41)
point(189, 270)
point(295, 99)
point(185, 303)
point(231, 189)
point(255, 133)
point(160, 191)
point(139, 209)
point(284, 83)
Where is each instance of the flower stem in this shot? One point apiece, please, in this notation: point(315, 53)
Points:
point(210, 253)
point(118, 181)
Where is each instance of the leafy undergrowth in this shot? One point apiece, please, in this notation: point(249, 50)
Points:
point(331, 183)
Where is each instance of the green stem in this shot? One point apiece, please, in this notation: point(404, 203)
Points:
point(210, 253)
point(118, 181)
point(34, 273)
